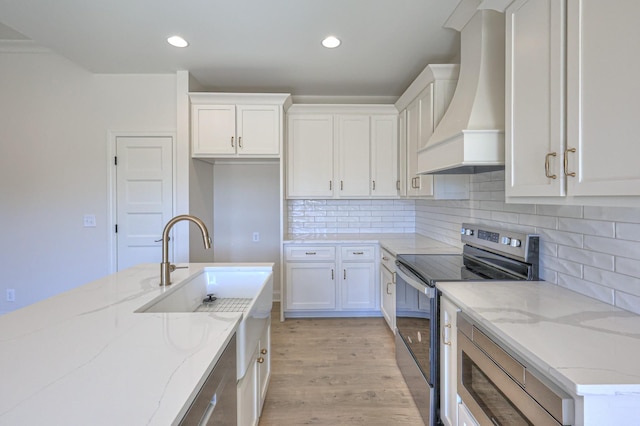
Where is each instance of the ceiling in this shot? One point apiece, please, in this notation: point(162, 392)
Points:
point(247, 45)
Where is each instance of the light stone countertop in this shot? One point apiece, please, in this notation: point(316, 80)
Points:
point(584, 345)
point(84, 357)
point(402, 243)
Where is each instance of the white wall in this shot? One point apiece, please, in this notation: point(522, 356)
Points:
point(246, 199)
point(54, 124)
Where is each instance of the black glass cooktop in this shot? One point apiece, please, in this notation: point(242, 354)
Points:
point(431, 268)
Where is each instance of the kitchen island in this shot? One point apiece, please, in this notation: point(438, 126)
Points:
point(588, 348)
point(86, 357)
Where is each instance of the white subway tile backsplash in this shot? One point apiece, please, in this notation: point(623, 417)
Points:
point(591, 250)
point(589, 227)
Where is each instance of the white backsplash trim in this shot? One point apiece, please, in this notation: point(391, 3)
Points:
point(591, 250)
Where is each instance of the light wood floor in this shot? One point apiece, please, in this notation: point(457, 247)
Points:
point(335, 372)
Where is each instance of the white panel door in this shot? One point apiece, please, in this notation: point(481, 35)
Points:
point(358, 286)
point(603, 97)
point(354, 156)
point(144, 197)
point(311, 286)
point(213, 130)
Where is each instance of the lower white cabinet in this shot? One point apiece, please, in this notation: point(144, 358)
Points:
point(448, 363)
point(330, 280)
point(388, 288)
point(252, 388)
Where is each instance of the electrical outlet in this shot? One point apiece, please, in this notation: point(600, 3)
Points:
point(11, 295)
point(89, 220)
point(256, 237)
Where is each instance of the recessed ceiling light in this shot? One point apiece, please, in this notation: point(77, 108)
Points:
point(177, 41)
point(331, 42)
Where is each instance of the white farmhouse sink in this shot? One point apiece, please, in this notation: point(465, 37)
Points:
point(225, 282)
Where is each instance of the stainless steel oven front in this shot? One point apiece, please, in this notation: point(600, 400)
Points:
point(416, 328)
point(501, 390)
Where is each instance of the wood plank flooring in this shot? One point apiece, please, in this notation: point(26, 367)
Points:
point(338, 371)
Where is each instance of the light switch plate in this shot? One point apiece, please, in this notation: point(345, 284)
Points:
point(89, 221)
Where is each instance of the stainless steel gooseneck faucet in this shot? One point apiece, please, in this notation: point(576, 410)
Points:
point(165, 267)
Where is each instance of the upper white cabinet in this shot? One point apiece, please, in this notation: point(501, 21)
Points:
point(342, 151)
point(236, 125)
point(421, 108)
point(571, 110)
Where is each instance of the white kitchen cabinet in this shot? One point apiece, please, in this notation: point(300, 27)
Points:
point(330, 280)
point(353, 142)
point(310, 156)
point(418, 119)
point(465, 418)
point(347, 151)
point(418, 185)
point(227, 126)
point(448, 363)
point(358, 286)
point(589, 156)
point(387, 288)
point(252, 388)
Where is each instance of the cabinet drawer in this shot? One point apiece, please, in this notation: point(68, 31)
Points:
point(388, 260)
point(350, 253)
point(310, 253)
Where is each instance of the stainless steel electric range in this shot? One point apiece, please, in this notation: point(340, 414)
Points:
point(488, 254)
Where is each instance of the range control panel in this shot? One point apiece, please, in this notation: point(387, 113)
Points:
point(512, 243)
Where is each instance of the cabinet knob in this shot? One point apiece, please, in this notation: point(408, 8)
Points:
point(546, 165)
point(260, 360)
point(263, 351)
point(566, 162)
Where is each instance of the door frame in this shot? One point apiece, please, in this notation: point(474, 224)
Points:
point(111, 186)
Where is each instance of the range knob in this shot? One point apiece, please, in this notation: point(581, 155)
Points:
point(515, 243)
point(462, 231)
point(468, 231)
point(506, 241)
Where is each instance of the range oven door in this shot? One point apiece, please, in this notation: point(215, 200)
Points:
point(416, 340)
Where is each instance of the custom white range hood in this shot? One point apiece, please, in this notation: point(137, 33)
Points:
point(470, 136)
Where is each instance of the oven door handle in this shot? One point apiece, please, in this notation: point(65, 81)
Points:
point(415, 282)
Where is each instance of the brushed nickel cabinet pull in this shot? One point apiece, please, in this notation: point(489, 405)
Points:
point(566, 162)
point(341, 185)
point(374, 185)
point(388, 290)
point(357, 252)
point(332, 274)
point(385, 258)
point(398, 185)
point(344, 274)
point(310, 253)
point(444, 333)
point(546, 165)
point(240, 141)
point(232, 145)
point(330, 186)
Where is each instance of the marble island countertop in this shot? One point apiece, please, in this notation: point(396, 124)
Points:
point(85, 357)
point(401, 243)
point(589, 348)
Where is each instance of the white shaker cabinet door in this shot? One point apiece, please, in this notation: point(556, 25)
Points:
point(258, 129)
point(213, 130)
point(535, 98)
point(310, 156)
point(603, 93)
point(353, 157)
point(384, 156)
point(358, 286)
point(311, 286)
